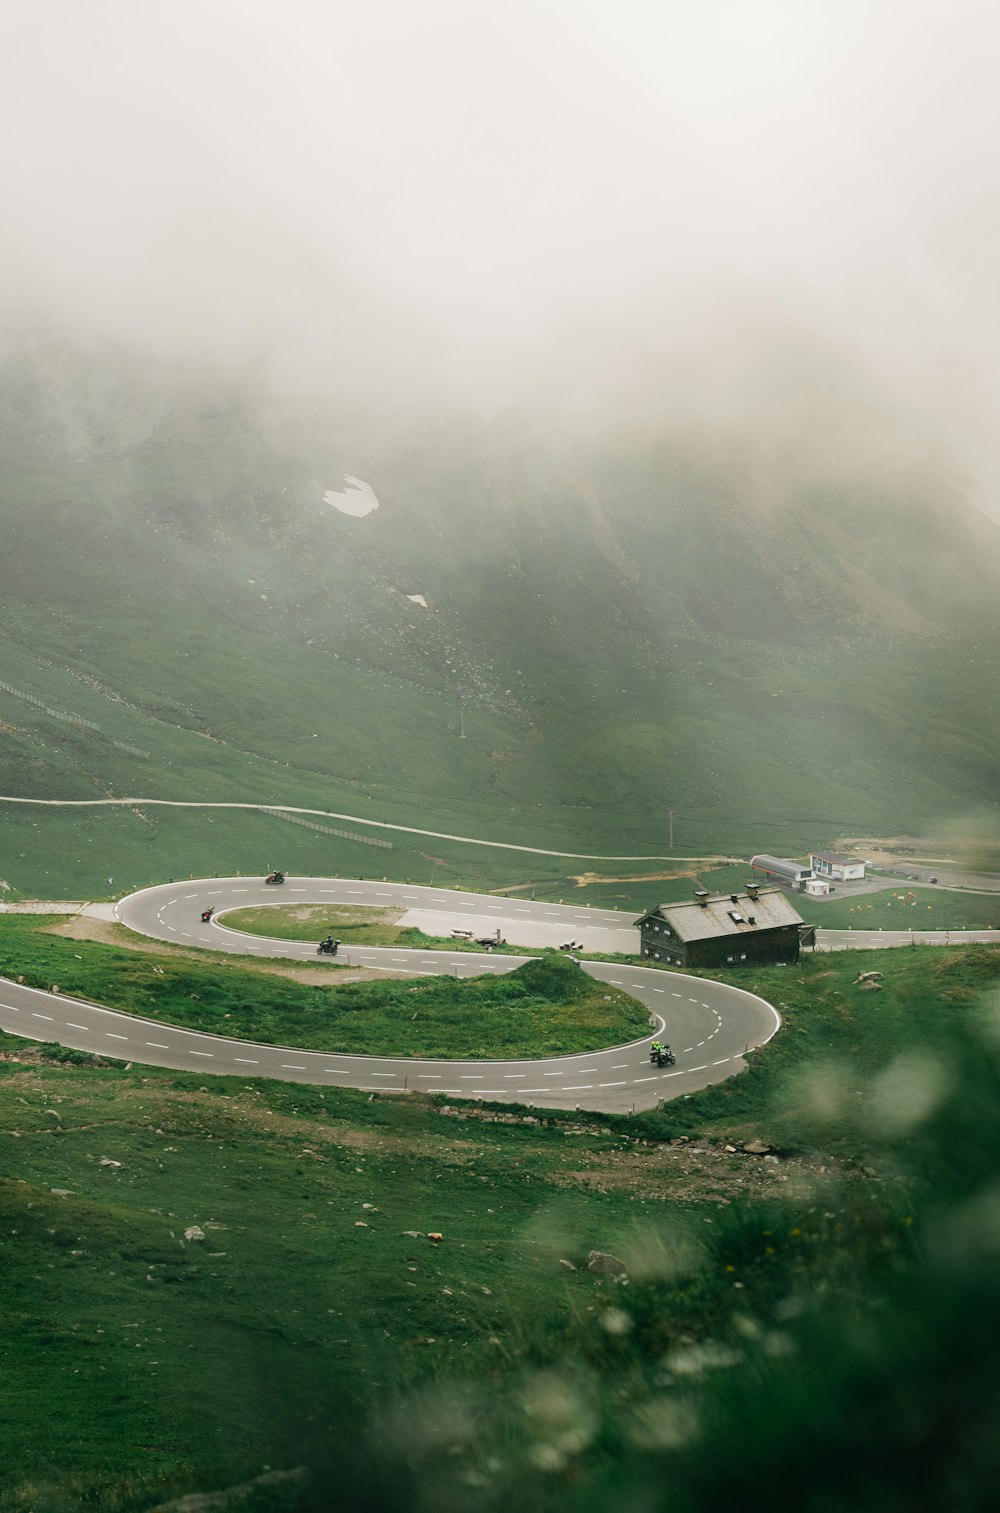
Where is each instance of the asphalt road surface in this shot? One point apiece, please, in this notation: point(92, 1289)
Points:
point(709, 1025)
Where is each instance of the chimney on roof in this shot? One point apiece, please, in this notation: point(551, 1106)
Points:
point(701, 897)
point(752, 890)
point(734, 898)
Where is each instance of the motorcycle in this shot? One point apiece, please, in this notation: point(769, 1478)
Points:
point(206, 916)
point(328, 948)
point(662, 1056)
point(275, 877)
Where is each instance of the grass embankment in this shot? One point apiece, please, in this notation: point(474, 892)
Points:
point(828, 1313)
point(546, 1008)
point(900, 908)
point(828, 1074)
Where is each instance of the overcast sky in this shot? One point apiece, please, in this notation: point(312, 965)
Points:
point(602, 193)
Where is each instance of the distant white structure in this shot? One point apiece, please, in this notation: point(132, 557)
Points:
point(843, 869)
point(358, 499)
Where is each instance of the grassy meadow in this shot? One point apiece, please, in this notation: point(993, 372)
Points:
point(70, 853)
point(900, 908)
point(547, 1007)
point(825, 1309)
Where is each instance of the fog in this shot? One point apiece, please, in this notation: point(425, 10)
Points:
point(777, 212)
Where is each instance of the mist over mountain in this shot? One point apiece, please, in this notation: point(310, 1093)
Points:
point(543, 416)
point(552, 637)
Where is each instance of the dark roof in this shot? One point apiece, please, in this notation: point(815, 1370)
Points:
point(771, 910)
point(838, 861)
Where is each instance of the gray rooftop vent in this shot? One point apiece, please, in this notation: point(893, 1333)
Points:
point(701, 897)
point(734, 898)
point(752, 890)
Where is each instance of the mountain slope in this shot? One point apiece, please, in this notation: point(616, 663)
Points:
point(607, 631)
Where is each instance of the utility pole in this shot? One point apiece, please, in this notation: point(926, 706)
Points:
point(670, 817)
point(460, 692)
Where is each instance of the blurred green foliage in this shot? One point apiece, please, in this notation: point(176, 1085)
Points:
point(814, 1329)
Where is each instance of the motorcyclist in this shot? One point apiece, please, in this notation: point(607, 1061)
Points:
point(206, 915)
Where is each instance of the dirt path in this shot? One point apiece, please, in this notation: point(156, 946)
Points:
point(587, 879)
point(356, 819)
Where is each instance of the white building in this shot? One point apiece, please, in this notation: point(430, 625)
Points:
point(817, 887)
point(841, 868)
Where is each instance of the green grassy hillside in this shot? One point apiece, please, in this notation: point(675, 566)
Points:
point(547, 1007)
point(781, 658)
point(818, 1316)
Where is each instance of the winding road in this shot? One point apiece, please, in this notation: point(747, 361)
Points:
point(710, 1025)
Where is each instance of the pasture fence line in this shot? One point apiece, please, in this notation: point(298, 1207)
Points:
point(347, 835)
point(69, 719)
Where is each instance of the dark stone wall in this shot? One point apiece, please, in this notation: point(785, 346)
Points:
point(757, 946)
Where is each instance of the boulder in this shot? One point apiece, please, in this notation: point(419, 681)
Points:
point(603, 1264)
point(756, 1147)
point(568, 1265)
point(194, 1234)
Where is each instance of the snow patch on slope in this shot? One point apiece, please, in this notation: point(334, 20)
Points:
point(357, 499)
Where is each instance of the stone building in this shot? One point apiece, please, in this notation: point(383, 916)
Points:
point(750, 928)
